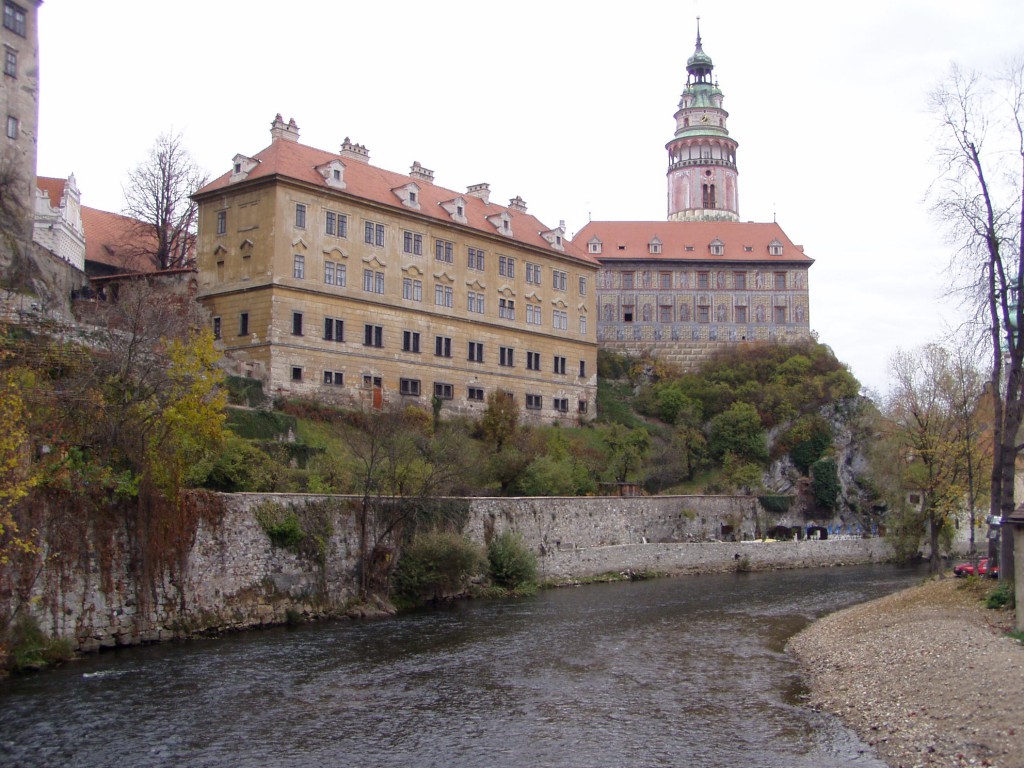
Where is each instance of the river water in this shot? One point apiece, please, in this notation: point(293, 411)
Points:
point(672, 672)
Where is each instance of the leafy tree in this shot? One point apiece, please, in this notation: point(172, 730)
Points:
point(825, 483)
point(511, 563)
point(741, 476)
point(158, 194)
point(627, 449)
point(500, 420)
point(738, 431)
point(17, 475)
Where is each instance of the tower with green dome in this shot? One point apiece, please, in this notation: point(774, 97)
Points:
point(702, 176)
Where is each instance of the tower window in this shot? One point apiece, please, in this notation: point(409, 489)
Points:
point(14, 18)
point(709, 196)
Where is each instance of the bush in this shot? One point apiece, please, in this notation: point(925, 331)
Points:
point(31, 648)
point(283, 527)
point(777, 504)
point(512, 564)
point(436, 565)
point(825, 483)
point(1000, 597)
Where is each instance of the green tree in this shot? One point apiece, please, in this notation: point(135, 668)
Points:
point(500, 420)
point(738, 431)
point(627, 449)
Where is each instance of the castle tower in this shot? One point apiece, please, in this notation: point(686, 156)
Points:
point(702, 176)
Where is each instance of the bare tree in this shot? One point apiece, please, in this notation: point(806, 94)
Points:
point(978, 198)
point(158, 195)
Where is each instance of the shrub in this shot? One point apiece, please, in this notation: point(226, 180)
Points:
point(825, 483)
point(436, 565)
point(1000, 597)
point(31, 648)
point(512, 564)
point(777, 504)
point(282, 526)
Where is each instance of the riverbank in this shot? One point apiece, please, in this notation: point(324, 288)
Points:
point(926, 676)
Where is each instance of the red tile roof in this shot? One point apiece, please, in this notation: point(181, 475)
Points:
point(631, 240)
point(297, 161)
point(115, 240)
point(54, 189)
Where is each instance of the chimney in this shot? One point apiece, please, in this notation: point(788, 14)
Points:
point(483, 191)
point(354, 151)
point(419, 172)
point(280, 130)
point(517, 204)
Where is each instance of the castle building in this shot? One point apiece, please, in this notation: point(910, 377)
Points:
point(334, 279)
point(681, 289)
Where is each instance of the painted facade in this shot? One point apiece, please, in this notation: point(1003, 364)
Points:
point(331, 278)
point(58, 219)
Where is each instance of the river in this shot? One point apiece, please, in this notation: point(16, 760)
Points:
point(672, 672)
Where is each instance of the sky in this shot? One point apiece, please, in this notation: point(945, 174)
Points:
point(568, 105)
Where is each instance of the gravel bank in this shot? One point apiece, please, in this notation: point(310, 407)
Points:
point(927, 676)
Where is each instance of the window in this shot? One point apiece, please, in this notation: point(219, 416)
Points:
point(741, 314)
point(583, 369)
point(560, 320)
point(299, 267)
point(475, 393)
point(216, 327)
point(443, 295)
point(583, 286)
point(442, 346)
point(780, 315)
point(506, 266)
point(665, 280)
point(296, 373)
point(443, 250)
point(533, 361)
point(506, 356)
point(443, 391)
point(373, 282)
point(627, 313)
point(780, 281)
point(334, 329)
point(559, 366)
point(300, 215)
point(476, 259)
point(12, 127)
point(296, 323)
point(581, 406)
point(373, 234)
point(372, 381)
point(335, 273)
point(559, 279)
point(14, 18)
point(412, 290)
point(594, 247)
point(475, 302)
point(222, 222)
point(410, 341)
point(533, 314)
point(334, 378)
point(534, 402)
point(583, 325)
point(717, 247)
point(412, 243)
point(739, 281)
point(373, 335)
point(654, 247)
point(703, 280)
point(703, 313)
point(775, 248)
point(533, 273)
point(664, 313)
point(476, 352)
point(561, 404)
point(243, 324)
point(628, 280)
point(708, 195)
point(409, 387)
point(507, 309)
point(336, 224)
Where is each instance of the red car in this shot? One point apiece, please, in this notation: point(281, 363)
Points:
point(967, 569)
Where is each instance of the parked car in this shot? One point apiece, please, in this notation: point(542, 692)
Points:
point(967, 569)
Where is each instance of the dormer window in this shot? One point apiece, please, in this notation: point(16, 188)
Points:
point(502, 222)
point(238, 167)
point(241, 167)
point(774, 248)
point(412, 197)
point(717, 247)
point(654, 247)
point(333, 173)
point(594, 245)
point(456, 208)
point(554, 237)
point(460, 211)
point(409, 195)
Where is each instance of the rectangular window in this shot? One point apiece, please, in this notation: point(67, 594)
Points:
point(703, 313)
point(628, 280)
point(533, 273)
point(476, 352)
point(12, 127)
point(506, 357)
point(559, 366)
point(533, 314)
point(299, 267)
point(334, 329)
point(216, 327)
point(443, 391)
point(780, 315)
point(704, 280)
point(373, 282)
point(739, 281)
point(412, 243)
point(296, 373)
point(583, 286)
point(443, 295)
point(581, 406)
point(373, 382)
point(476, 259)
point(373, 335)
point(534, 402)
point(475, 393)
point(410, 387)
point(329, 272)
point(506, 266)
point(741, 314)
point(335, 378)
point(296, 323)
point(583, 369)
point(336, 224)
point(300, 215)
point(780, 281)
point(627, 313)
point(561, 404)
point(442, 346)
point(559, 279)
point(412, 290)
point(334, 274)
point(243, 324)
point(664, 313)
point(583, 325)
point(410, 341)
point(507, 309)
point(533, 361)
point(560, 320)
point(475, 302)
point(373, 234)
point(443, 250)
point(14, 18)
point(10, 63)
point(222, 222)
point(665, 281)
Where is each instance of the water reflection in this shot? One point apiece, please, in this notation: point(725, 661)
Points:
point(675, 672)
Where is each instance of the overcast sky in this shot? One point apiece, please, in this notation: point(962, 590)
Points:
point(568, 105)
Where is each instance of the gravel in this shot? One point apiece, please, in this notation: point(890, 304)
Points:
point(927, 676)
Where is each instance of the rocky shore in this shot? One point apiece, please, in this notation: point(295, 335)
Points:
point(927, 676)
